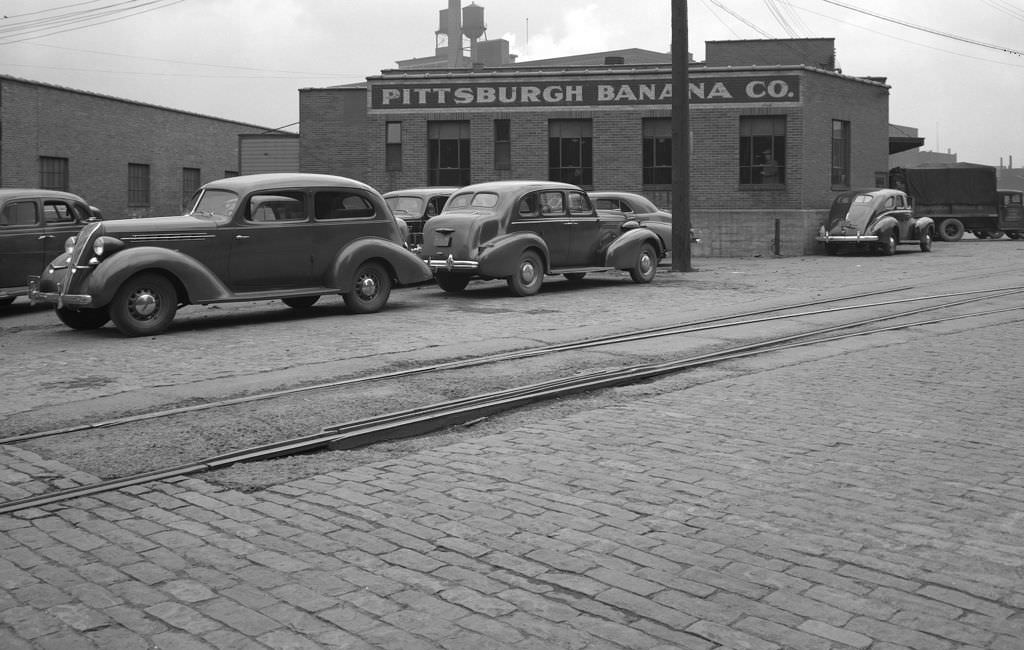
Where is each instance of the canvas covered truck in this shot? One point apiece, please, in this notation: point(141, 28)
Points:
point(959, 197)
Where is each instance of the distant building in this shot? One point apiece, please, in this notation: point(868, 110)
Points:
point(776, 131)
point(127, 158)
point(260, 153)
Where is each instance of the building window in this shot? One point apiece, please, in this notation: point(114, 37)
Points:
point(657, 134)
point(503, 144)
point(138, 185)
point(53, 173)
point(393, 146)
point(571, 151)
point(448, 153)
point(189, 184)
point(763, 150)
point(840, 154)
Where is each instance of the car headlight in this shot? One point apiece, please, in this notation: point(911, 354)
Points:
point(69, 244)
point(105, 246)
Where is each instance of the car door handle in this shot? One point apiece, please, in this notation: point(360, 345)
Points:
point(241, 236)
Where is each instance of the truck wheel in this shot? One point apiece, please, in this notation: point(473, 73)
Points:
point(451, 282)
point(646, 266)
point(144, 305)
point(372, 286)
point(528, 276)
point(83, 319)
point(951, 230)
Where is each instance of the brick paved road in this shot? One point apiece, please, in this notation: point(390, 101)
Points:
point(813, 504)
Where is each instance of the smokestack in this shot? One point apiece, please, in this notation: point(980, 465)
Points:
point(454, 33)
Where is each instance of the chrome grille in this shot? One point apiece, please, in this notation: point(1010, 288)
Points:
point(83, 245)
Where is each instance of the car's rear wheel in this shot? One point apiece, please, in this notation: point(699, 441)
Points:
point(83, 319)
point(144, 305)
point(646, 265)
point(951, 230)
point(980, 234)
point(370, 291)
point(1013, 234)
point(304, 302)
point(528, 276)
point(926, 241)
point(887, 243)
point(575, 277)
point(995, 234)
point(451, 282)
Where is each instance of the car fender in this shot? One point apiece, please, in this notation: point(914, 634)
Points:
point(622, 252)
point(406, 267)
point(501, 254)
point(922, 224)
point(199, 282)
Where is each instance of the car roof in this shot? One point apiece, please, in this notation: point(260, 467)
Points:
point(518, 186)
point(608, 194)
point(27, 192)
point(874, 192)
point(422, 191)
point(251, 182)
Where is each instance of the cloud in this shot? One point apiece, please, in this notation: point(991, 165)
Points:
point(581, 30)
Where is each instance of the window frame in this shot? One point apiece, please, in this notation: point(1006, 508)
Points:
point(393, 146)
point(656, 148)
point(138, 185)
point(762, 151)
point(839, 177)
point(443, 150)
point(503, 144)
point(571, 151)
point(54, 173)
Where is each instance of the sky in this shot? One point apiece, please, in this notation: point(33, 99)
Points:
point(955, 67)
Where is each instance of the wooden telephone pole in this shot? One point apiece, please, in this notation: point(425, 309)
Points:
point(680, 138)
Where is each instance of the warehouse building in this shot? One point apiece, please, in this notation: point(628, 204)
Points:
point(776, 131)
point(127, 158)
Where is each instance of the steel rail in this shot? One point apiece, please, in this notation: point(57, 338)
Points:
point(744, 318)
point(420, 420)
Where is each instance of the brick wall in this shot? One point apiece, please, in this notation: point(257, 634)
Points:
point(732, 219)
point(100, 136)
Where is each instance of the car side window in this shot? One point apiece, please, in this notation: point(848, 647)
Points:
point(58, 212)
point(19, 213)
point(280, 206)
point(342, 205)
point(551, 203)
point(608, 204)
point(528, 205)
point(579, 203)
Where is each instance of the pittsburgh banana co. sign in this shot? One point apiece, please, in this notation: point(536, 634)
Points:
point(385, 95)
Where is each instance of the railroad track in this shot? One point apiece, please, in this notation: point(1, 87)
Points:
point(424, 419)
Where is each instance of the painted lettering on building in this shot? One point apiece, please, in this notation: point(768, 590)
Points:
point(388, 95)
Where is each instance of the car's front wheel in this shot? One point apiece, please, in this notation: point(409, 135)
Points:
point(83, 319)
point(371, 289)
point(646, 265)
point(926, 241)
point(451, 282)
point(528, 276)
point(144, 305)
point(887, 243)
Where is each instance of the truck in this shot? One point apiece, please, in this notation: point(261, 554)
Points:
point(960, 197)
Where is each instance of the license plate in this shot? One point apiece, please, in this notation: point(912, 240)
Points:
point(443, 240)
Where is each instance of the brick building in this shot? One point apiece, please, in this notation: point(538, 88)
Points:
point(776, 131)
point(127, 158)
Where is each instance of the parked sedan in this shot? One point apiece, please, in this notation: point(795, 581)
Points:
point(877, 219)
point(415, 206)
point(292, 237)
point(521, 230)
point(642, 209)
point(33, 226)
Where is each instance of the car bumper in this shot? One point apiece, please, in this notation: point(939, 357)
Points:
point(846, 239)
point(452, 264)
point(44, 295)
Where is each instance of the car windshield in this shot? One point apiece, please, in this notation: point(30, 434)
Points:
point(217, 205)
point(405, 204)
point(471, 200)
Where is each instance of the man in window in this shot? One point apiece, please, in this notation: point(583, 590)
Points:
point(769, 167)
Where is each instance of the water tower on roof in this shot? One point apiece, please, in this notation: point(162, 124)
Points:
point(456, 24)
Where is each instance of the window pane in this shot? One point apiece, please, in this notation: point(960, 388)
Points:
point(762, 150)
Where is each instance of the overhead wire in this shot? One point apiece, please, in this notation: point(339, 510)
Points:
point(74, 21)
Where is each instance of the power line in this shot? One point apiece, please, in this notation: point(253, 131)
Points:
point(928, 30)
point(76, 20)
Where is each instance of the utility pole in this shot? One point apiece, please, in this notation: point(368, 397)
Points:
point(680, 138)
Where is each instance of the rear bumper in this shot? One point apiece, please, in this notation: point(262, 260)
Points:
point(846, 239)
point(452, 264)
